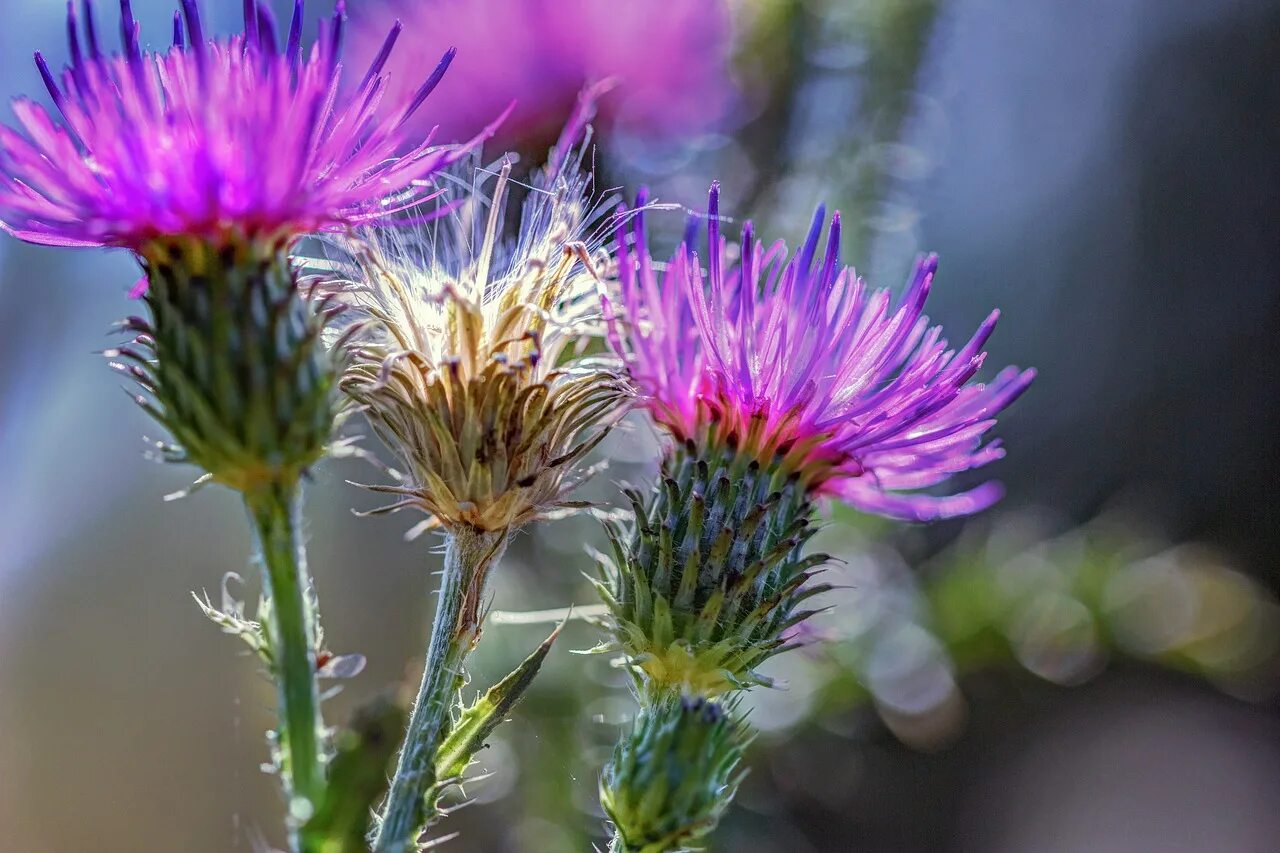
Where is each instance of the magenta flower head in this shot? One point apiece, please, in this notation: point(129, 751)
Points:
point(239, 139)
point(209, 159)
point(795, 362)
point(669, 58)
point(782, 380)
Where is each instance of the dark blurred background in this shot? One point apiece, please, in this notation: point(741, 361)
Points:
point(1090, 667)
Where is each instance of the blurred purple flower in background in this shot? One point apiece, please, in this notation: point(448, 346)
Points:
point(211, 138)
point(669, 58)
point(796, 358)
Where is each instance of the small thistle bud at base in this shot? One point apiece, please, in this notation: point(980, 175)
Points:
point(703, 588)
point(237, 372)
point(672, 777)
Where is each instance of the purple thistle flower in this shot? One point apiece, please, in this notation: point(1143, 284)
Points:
point(220, 140)
point(670, 59)
point(795, 362)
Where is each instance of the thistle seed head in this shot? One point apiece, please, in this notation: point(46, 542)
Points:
point(468, 354)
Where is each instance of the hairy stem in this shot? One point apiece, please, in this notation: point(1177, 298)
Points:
point(276, 514)
point(469, 554)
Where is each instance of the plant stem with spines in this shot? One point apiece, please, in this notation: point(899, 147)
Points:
point(469, 554)
point(276, 513)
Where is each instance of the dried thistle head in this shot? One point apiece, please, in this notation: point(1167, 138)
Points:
point(470, 354)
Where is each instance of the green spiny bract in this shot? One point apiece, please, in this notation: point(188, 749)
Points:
point(232, 362)
point(672, 777)
point(705, 585)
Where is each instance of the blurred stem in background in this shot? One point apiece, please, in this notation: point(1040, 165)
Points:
point(894, 35)
point(415, 790)
point(771, 54)
point(554, 714)
point(828, 148)
point(358, 776)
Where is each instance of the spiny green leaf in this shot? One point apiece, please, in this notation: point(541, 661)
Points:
point(473, 727)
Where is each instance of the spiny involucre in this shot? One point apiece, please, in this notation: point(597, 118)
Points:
point(669, 782)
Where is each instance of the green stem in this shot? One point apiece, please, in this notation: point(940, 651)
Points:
point(276, 514)
point(469, 553)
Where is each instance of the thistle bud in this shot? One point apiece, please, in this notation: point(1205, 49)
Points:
point(672, 777)
point(466, 354)
point(709, 578)
point(232, 360)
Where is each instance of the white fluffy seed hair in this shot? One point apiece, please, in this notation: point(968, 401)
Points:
point(403, 271)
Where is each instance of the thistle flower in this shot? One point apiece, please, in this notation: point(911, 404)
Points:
point(669, 782)
point(797, 364)
point(465, 353)
point(542, 52)
point(781, 381)
point(208, 160)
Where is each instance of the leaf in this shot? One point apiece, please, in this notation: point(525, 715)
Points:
point(232, 620)
point(358, 778)
point(473, 727)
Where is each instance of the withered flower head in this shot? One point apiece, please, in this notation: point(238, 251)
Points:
point(470, 353)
